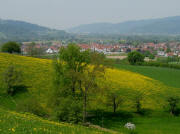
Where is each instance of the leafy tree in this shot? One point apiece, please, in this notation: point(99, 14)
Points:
point(138, 100)
point(68, 67)
point(90, 77)
point(75, 77)
point(75, 62)
point(114, 100)
point(114, 95)
point(11, 47)
point(135, 57)
point(151, 56)
point(168, 50)
point(12, 79)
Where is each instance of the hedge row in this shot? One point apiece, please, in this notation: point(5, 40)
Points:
point(160, 64)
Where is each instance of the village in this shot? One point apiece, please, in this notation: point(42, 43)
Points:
point(158, 50)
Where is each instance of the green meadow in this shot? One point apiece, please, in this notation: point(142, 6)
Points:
point(168, 76)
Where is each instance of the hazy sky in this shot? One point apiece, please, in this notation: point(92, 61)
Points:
point(63, 14)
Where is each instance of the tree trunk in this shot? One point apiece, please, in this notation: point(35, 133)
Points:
point(138, 106)
point(84, 106)
point(73, 87)
point(114, 104)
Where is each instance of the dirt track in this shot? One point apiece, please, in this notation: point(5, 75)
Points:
point(117, 57)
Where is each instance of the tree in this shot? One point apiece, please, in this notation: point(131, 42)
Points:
point(173, 102)
point(90, 78)
point(138, 101)
point(151, 56)
point(168, 50)
point(76, 76)
point(75, 62)
point(11, 47)
point(12, 79)
point(135, 57)
point(114, 100)
point(114, 95)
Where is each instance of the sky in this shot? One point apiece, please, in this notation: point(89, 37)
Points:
point(64, 14)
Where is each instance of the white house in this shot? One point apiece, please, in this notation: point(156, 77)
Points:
point(49, 51)
point(161, 53)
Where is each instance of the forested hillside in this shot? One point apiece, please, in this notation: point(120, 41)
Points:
point(23, 31)
point(169, 25)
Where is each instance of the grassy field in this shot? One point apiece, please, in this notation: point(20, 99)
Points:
point(16, 123)
point(169, 77)
point(149, 125)
point(156, 122)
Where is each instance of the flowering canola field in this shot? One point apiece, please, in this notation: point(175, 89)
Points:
point(38, 75)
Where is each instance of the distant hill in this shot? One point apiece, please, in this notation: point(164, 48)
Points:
point(23, 31)
point(169, 25)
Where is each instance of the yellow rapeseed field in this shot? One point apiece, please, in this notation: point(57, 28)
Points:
point(38, 74)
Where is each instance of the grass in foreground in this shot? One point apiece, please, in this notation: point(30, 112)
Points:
point(12, 122)
point(158, 123)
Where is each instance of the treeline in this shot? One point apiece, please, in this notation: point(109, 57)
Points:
point(137, 58)
point(160, 64)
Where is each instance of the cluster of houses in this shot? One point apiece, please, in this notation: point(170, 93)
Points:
point(161, 49)
point(48, 48)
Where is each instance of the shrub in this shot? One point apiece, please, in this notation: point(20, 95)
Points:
point(31, 105)
point(12, 80)
point(135, 57)
point(173, 108)
point(69, 110)
point(160, 64)
point(11, 47)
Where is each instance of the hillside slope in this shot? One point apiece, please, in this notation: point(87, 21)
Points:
point(169, 25)
point(16, 123)
point(23, 31)
point(38, 78)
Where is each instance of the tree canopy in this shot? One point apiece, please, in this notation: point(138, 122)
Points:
point(76, 74)
point(11, 47)
point(135, 57)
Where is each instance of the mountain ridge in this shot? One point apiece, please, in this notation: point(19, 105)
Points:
point(24, 31)
point(168, 25)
